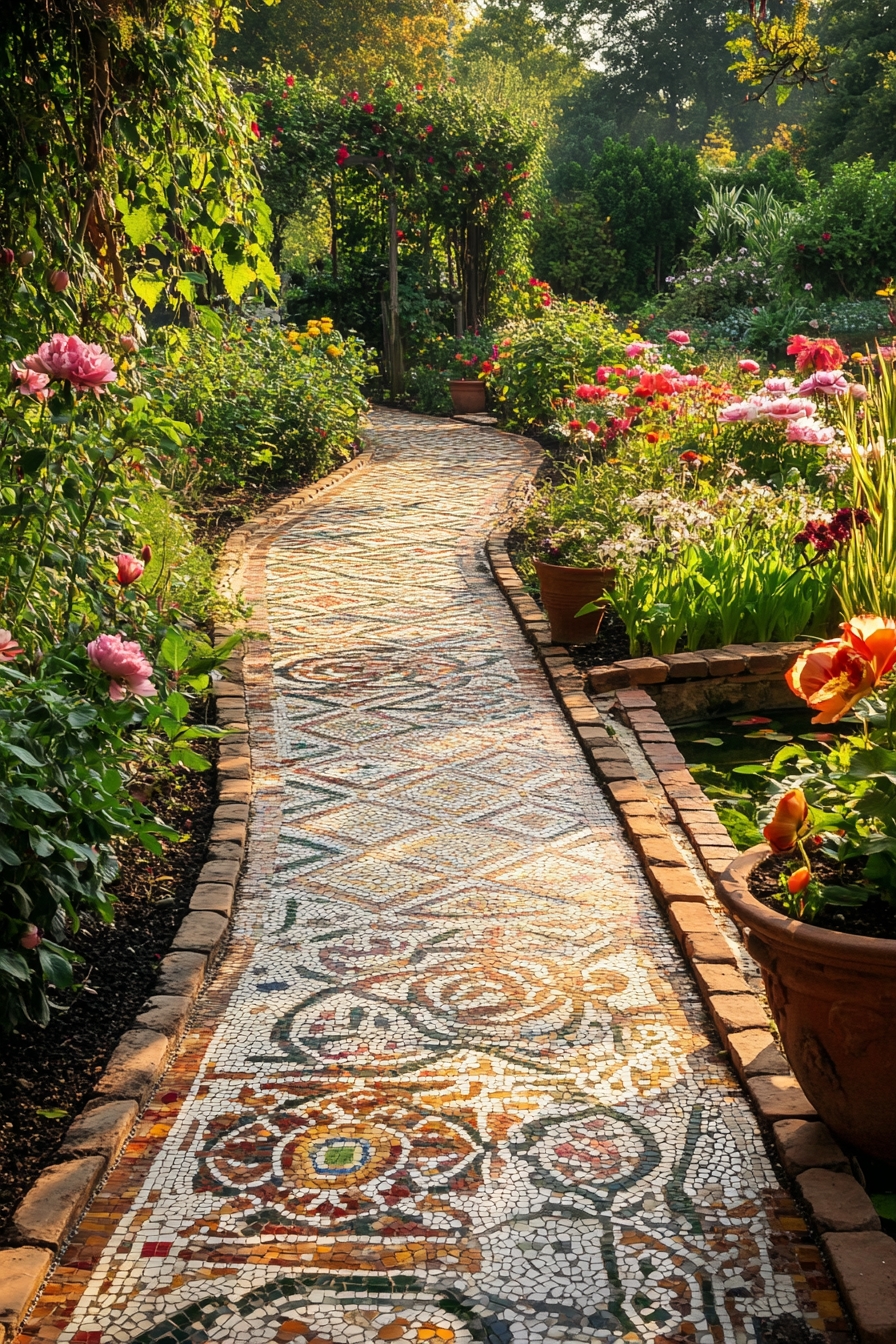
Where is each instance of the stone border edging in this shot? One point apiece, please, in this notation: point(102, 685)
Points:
point(744, 662)
point(51, 1209)
point(863, 1258)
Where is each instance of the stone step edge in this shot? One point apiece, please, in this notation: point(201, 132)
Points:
point(862, 1258)
point(739, 662)
point(51, 1208)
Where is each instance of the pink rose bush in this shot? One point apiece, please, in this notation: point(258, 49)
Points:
point(68, 359)
point(124, 663)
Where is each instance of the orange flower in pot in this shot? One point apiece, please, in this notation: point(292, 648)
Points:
point(837, 674)
point(832, 991)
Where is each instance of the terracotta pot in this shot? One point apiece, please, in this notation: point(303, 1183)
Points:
point(467, 395)
point(833, 996)
point(564, 590)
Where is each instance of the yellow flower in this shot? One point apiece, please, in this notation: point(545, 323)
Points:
point(334, 350)
point(313, 331)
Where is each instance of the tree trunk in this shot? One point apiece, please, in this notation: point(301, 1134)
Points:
point(395, 354)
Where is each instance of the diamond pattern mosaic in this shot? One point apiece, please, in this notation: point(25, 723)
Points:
point(452, 1082)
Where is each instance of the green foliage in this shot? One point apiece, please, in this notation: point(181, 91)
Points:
point(128, 163)
point(858, 117)
point(543, 357)
point(69, 475)
point(726, 575)
point(868, 582)
point(845, 234)
point(646, 199)
point(63, 800)
point(574, 249)
point(273, 406)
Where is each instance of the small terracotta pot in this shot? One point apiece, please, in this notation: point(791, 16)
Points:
point(833, 997)
point(467, 395)
point(564, 590)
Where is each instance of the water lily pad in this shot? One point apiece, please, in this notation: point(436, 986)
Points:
point(753, 719)
point(708, 741)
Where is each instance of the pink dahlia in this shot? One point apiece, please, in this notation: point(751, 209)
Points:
point(124, 663)
point(87, 367)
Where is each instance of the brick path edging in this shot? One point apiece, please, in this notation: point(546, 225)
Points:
point(50, 1210)
point(862, 1257)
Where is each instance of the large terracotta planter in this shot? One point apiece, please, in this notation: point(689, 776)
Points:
point(467, 395)
point(565, 589)
point(833, 996)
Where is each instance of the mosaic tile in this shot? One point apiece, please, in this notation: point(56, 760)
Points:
point(452, 1081)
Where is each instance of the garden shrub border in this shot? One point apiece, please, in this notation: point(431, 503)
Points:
point(861, 1256)
point(50, 1210)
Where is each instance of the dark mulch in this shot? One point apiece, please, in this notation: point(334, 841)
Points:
point(875, 919)
point(610, 645)
point(53, 1068)
point(220, 512)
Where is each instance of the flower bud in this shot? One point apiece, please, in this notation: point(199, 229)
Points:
point(26, 257)
point(798, 881)
point(146, 554)
point(129, 343)
point(59, 280)
point(7, 256)
point(199, 417)
point(31, 938)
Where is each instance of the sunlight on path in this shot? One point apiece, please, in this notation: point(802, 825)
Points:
point(452, 1082)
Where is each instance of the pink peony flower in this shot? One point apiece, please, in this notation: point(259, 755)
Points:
point(679, 337)
point(9, 649)
point(740, 410)
point(31, 938)
point(685, 381)
point(784, 385)
point(748, 366)
point(809, 431)
point(830, 382)
point(87, 367)
point(785, 409)
point(125, 663)
point(637, 348)
point(31, 384)
point(129, 569)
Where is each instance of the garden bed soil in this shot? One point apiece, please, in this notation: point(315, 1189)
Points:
point(875, 919)
point(49, 1072)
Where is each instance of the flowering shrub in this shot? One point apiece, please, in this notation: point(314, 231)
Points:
point(93, 668)
point(542, 358)
point(261, 402)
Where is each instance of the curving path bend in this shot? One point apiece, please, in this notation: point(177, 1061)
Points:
point(452, 1081)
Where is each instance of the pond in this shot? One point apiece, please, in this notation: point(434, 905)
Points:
point(728, 758)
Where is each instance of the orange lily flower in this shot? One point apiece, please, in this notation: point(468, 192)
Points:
point(790, 822)
point(837, 674)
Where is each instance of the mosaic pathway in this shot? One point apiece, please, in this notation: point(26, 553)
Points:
point(452, 1082)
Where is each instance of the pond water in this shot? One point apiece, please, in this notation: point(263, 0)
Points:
point(728, 757)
